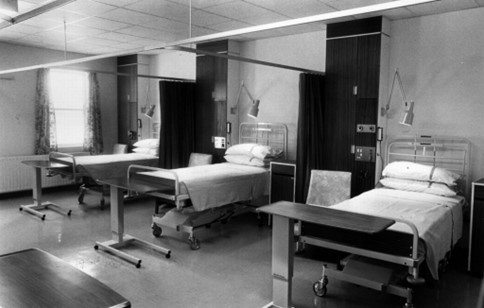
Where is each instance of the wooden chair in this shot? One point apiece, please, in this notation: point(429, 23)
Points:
point(328, 187)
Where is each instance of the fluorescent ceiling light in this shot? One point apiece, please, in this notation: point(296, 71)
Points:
point(227, 34)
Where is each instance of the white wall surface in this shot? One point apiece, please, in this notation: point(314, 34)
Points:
point(17, 108)
point(441, 62)
point(276, 88)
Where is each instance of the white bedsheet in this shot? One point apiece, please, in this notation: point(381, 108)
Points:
point(109, 166)
point(214, 185)
point(437, 219)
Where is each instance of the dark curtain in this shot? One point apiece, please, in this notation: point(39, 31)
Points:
point(309, 131)
point(177, 129)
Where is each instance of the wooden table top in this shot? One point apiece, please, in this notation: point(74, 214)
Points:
point(35, 278)
point(328, 216)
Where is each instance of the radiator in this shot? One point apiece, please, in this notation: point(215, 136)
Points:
point(15, 176)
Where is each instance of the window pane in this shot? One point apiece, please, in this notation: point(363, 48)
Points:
point(69, 93)
point(70, 127)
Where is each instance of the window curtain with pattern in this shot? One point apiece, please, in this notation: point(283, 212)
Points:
point(45, 136)
point(309, 131)
point(177, 129)
point(93, 139)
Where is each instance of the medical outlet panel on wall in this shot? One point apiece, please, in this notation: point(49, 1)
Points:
point(220, 142)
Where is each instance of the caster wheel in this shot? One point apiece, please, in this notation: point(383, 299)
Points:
point(43, 217)
point(168, 255)
point(319, 289)
point(80, 199)
point(96, 247)
point(138, 265)
point(69, 213)
point(156, 230)
point(102, 204)
point(194, 244)
point(20, 209)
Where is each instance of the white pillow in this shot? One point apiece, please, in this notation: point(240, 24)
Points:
point(147, 143)
point(244, 160)
point(419, 186)
point(250, 149)
point(419, 172)
point(148, 151)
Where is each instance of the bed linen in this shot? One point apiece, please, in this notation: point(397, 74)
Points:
point(438, 219)
point(210, 186)
point(109, 166)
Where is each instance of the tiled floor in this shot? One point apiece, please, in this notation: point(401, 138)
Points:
point(232, 268)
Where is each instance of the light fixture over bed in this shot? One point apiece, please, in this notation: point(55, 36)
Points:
point(407, 117)
point(254, 109)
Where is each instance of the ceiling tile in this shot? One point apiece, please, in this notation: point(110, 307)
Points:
point(87, 7)
point(162, 8)
point(231, 25)
point(142, 32)
point(442, 6)
point(103, 24)
point(130, 17)
point(203, 18)
point(79, 30)
point(62, 16)
point(267, 18)
point(237, 10)
point(118, 3)
point(115, 36)
point(294, 9)
point(43, 23)
point(201, 4)
point(22, 28)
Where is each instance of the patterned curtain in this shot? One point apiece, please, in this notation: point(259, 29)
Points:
point(45, 133)
point(93, 139)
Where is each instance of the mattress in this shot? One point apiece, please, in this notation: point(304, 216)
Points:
point(214, 185)
point(438, 219)
point(108, 166)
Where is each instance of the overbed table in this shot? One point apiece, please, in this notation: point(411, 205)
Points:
point(117, 188)
point(284, 214)
point(34, 208)
point(35, 278)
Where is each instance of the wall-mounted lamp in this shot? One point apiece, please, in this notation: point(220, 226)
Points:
point(407, 117)
point(150, 111)
point(254, 109)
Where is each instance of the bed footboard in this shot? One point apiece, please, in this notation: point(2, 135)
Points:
point(164, 184)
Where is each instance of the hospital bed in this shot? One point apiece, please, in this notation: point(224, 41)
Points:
point(428, 220)
point(91, 168)
point(199, 196)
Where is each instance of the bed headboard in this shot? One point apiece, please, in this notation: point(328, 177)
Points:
point(451, 153)
point(272, 134)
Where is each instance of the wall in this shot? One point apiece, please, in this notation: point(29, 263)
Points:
point(174, 64)
point(17, 109)
point(278, 89)
point(441, 62)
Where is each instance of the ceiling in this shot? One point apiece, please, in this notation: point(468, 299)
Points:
point(110, 26)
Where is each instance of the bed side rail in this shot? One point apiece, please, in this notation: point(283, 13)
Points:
point(165, 184)
point(68, 159)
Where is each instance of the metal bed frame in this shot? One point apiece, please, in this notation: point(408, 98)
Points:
point(446, 152)
point(183, 220)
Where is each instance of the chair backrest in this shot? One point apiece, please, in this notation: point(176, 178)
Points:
point(197, 159)
point(328, 187)
point(119, 148)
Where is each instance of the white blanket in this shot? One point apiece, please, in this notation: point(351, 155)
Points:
point(437, 219)
point(215, 185)
point(109, 166)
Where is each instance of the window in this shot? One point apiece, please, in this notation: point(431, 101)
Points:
point(69, 92)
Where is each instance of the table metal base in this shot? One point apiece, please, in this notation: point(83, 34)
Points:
point(47, 205)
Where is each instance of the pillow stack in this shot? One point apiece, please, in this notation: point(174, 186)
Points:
point(147, 146)
point(410, 176)
point(251, 154)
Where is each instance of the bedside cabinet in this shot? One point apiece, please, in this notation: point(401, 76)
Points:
point(476, 234)
point(283, 181)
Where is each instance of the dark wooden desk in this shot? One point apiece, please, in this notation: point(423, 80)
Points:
point(119, 239)
point(284, 214)
point(35, 278)
point(34, 208)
